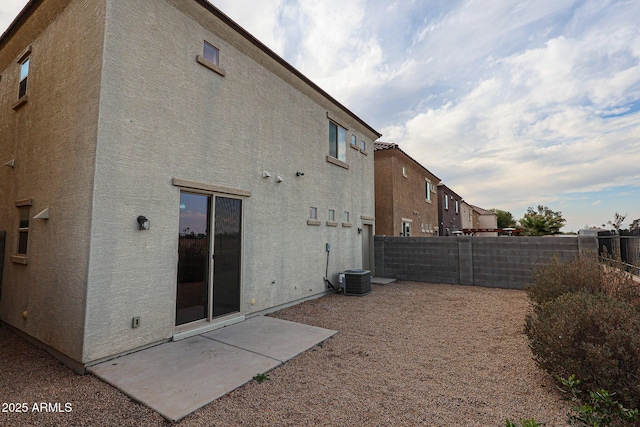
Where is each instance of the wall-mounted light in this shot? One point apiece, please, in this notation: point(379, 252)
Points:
point(143, 223)
point(279, 179)
point(265, 174)
point(299, 173)
point(359, 230)
point(11, 163)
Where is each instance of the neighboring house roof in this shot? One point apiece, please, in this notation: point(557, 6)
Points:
point(379, 146)
point(449, 190)
point(482, 211)
point(33, 4)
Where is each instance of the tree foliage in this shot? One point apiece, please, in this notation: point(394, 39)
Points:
point(542, 222)
point(505, 219)
point(617, 221)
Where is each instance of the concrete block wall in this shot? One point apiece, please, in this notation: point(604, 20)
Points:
point(481, 261)
point(424, 259)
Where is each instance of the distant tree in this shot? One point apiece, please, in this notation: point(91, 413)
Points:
point(505, 219)
point(635, 225)
point(617, 221)
point(542, 222)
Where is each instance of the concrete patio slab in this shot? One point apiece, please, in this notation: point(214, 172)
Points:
point(275, 338)
point(177, 378)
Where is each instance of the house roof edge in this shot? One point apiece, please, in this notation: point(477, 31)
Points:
point(380, 146)
point(28, 9)
point(244, 33)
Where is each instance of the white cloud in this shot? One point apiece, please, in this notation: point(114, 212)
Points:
point(262, 22)
point(336, 48)
point(532, 126)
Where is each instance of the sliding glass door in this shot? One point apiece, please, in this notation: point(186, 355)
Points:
point(209, 263)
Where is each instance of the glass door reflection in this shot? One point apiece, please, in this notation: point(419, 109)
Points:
point(192, 299)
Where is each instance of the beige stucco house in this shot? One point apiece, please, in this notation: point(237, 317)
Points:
point(468, 216)
point(487, 220)
point(475, 218)
point(164, 174)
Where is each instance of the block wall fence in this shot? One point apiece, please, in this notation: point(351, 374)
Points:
point(496, 262)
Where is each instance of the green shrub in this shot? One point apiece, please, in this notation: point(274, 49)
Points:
point(583, 273)
point(599, 410)
point(524, 423)
point(592, 335)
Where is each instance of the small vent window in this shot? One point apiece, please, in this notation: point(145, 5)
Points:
point(211, 53)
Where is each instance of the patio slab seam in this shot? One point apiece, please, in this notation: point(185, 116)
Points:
point(243, 349)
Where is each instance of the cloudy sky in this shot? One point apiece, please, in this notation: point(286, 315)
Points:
point(512, 103)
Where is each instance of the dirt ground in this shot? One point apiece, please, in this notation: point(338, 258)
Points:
point(407, 354)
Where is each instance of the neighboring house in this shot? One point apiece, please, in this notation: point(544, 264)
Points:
point(468, 217)
point(449, 218)
point(486, 220)
point(406, 202)
point(166, 174)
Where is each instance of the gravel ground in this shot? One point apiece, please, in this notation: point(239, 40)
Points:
point(408, 354)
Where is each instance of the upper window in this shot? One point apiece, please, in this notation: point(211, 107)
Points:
point(363, 146)
point(23, 230)
point(457, 207)
point(346, 216)
point(353, 140)
point(210, 58)
point(337, 142)
point(24, 74)
point(404, 171)
point(446, 201)
point(313, 213)
point(211, 53)
point(427, 190)
point(332, 215)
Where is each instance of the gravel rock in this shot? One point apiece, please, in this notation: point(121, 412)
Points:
point(408, 354)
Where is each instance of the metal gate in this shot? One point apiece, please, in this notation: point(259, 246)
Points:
point(624, 246)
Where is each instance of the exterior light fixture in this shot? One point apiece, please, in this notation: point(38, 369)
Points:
point(265, 174)
point(279, 179)
point(143, 223)
point(299, 173)
point(359, 230)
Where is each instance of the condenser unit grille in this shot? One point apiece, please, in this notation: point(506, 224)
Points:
point(357, 282)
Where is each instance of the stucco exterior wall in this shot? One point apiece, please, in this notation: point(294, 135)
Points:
point(52, 139)
point(448, 217)
point(402, 197)
point(164, 116)
point(466, 215)
point(488, 221)
point(384, 193)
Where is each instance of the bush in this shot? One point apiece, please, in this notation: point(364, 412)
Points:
point(600, 409)
point(592, 335)
point(583, 273)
